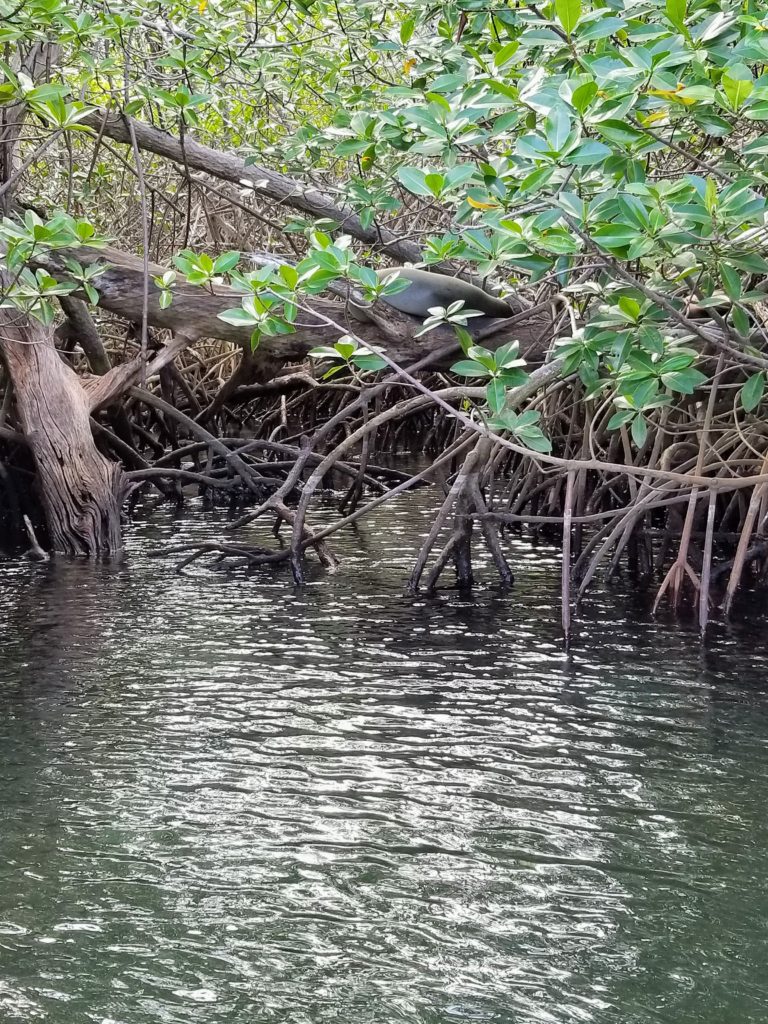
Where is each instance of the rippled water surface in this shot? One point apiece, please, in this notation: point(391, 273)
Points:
point(225, 801)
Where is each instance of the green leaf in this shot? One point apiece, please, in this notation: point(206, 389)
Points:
point(589, 153)
point(483, 356)
point(496, 395)
point(731, 282)
point(710, 195)
point(557, 128)
point(537, 178)
point(757, 111)
point(651, 339)
point(619, 132)
point(226, 262)
point(684, 382)
point(413, 178)
point(435, 183)
point(323, 352)
point(737, 83)
point(633, 211)
point(533, 438)
point(237, 317)
point(185, 265)
point(614, 236)
point(630, 307)
point(620, 418)
point(752, 392)
point(601, 29)
point(639, 430)
point(513, 378)
point(469, 368)
point(582, 96)
point(345, 348)
point(326, 260)
point(678, 361)
point(642, 391)
point(508, 356)
point(712, 124)
point(568, 13)
point(459, 174)
point(290, 275)
point(528, 418)
point(507, 51)
point(676, 13)
point(740, 321)
point(407, 29)
point(369, 362)
point(465, 338)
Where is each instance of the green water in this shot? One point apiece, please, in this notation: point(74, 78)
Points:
point(225, 801)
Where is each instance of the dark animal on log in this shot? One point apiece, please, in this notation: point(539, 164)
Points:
point(428, 290)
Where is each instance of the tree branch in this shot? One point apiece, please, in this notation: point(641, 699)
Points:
point(280, 188)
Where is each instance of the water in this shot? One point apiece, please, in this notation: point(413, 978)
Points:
point(225, 801)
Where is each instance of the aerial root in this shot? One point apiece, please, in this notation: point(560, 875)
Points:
point(466, 502)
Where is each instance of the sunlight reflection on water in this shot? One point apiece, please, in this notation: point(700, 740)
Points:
point(225, 800)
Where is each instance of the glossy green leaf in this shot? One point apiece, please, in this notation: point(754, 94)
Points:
point(676, 10)
point(602, 29)
point(557, 128)
point(568, 13)
point(469, 368)
point(737, 83)
point(620, 418)
point(582, 96)
point(413, 178)
point(236, 317)
point(369, 362)
point(731, 282)
point(496, 395)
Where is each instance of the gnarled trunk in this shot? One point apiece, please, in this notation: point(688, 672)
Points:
point(80, 490)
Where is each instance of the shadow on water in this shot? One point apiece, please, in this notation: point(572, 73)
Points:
point(224, 800)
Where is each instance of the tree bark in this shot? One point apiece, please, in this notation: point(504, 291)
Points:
point(81, 491)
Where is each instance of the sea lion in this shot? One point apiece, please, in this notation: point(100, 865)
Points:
point(428, 289)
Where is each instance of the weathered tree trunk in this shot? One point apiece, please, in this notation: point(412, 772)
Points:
point(81, 491)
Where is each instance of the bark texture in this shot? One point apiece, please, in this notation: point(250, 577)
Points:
point(81, 491)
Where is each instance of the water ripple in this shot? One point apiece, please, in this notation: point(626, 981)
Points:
point(225, 801)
